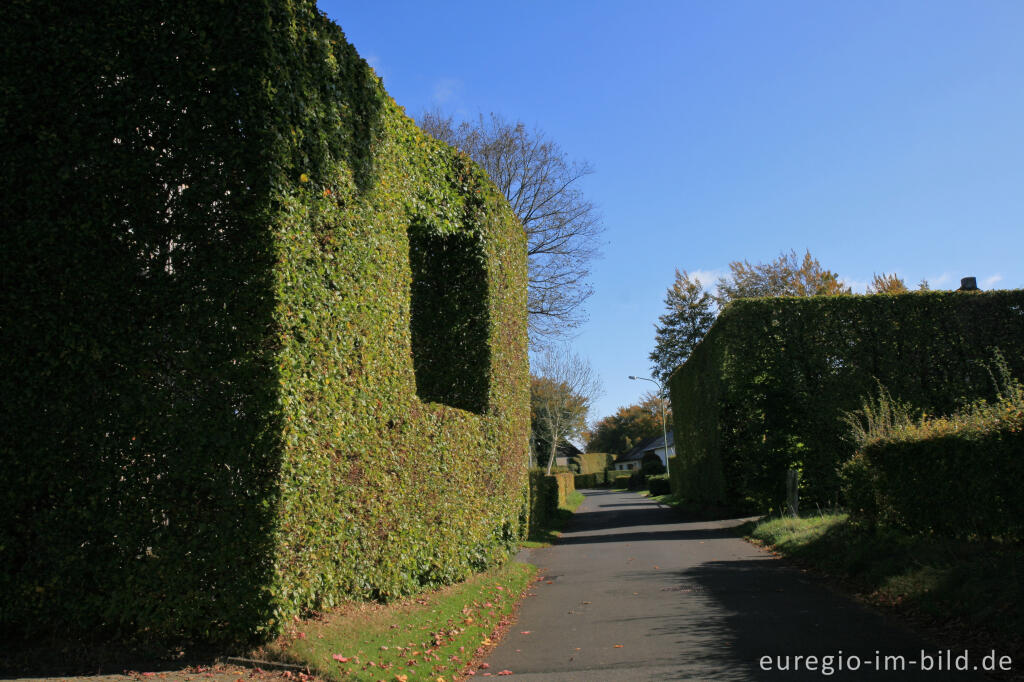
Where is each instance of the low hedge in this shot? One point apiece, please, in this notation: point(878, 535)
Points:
point(594, 480)
point(659, 485)
point(617, 476)
point(960, 485)
point(548, 492)
point(564, 485)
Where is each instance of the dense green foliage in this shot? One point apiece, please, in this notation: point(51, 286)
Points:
point(690, 312)
point(766, 389)
point(548, 492)
point(240, 378)
point(659, 484)
point(593, 480)
point(594, 462)
point(959, 475)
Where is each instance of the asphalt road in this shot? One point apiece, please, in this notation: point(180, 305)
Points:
point(632, 593)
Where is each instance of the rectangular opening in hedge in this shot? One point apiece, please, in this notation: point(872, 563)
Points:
point(450, 353)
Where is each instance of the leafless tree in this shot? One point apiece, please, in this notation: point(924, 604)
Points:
point(562, 388)
point(563, 228)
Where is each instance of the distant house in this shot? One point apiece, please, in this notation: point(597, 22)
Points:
point(565, 453)
point(635, 457)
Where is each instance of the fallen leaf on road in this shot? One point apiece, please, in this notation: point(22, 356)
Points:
point(618, 646)
point(505, 672)
point(525, 632)
point(485, 666)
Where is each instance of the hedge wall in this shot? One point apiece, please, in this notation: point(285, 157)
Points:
point(960, 485)
point(548, 492)
point(590, 480)
point(764, 390)
point(264, 341)
point(595, 462)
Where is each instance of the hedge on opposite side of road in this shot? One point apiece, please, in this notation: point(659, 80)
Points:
point(766, 389)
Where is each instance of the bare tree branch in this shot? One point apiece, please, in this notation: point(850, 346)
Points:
point(562, 388)
point(562, 227)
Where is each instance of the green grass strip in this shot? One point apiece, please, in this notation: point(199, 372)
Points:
point(434, 636)
point(968, 588)
point(543, 537)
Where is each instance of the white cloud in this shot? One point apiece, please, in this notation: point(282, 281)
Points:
point(990, 282)
point(709, 278)
point(445, 89)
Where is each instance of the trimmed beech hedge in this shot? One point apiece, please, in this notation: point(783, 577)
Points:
point(766, 388)
point(590, 480)
point(965, 484)
point(264, 341)
point(595, 462)
point(659, 484)
point(548, 492)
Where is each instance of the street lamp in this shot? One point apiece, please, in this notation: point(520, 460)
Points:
point(661, 394)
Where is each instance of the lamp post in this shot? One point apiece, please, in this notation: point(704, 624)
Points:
point(661, 394)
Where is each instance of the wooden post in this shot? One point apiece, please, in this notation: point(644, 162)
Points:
point(792, 492)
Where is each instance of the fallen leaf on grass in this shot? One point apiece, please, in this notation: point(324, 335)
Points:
point(340, 659)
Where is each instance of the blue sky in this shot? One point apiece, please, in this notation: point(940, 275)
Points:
point(882, 136)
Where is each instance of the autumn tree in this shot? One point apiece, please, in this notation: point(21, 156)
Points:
point(562, 387)
point(691, 311)
point(787, 275)
point(621, 432)
point(542, 185)
point(887, 284)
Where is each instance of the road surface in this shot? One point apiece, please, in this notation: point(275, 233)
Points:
point(630, 592)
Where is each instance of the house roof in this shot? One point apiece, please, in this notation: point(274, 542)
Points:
point(649, 445)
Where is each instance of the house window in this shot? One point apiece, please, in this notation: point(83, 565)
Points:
point(450, 322)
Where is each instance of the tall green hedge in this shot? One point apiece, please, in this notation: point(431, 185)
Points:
point(595, 462)
point(765, 390)
point(264, 341)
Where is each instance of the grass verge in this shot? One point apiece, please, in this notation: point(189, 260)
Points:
point(434, 636)
point(967, 592)
point(543, 537)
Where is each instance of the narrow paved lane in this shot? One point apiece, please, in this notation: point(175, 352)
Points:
point(632, 593)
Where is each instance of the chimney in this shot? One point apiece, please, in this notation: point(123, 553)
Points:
point(968, 284)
